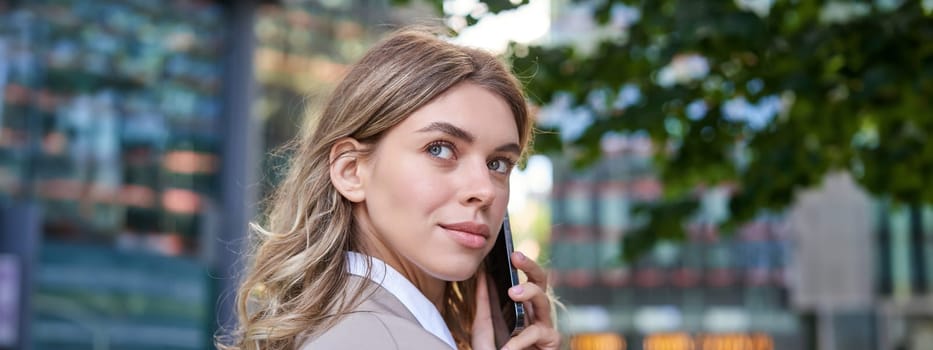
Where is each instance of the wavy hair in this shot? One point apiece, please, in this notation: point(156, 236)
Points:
point(297, 280)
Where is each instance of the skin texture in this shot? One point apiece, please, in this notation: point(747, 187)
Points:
point(430, 196)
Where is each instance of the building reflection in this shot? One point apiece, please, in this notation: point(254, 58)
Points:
point(710, 291)
point(128, 156)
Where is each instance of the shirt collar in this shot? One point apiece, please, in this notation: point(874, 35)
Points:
point(406, 292)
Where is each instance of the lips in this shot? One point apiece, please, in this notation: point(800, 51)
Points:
point(469, 227)
point(468, 234)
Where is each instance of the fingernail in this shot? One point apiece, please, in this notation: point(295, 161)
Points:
point(504, 348)
point(518, 290)
point(520, 256)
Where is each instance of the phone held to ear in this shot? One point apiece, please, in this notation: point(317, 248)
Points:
point(504, 276)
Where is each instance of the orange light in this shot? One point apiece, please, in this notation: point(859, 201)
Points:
point(137, 196)
point(726, 341)
point(668, 341)
point(762, 341)
point(271, 62)
point(190, 162)
point(54, 143)
point(737, 342)
point(61, 189)
point(103, 194)
point(597, 341)
point(181, 201)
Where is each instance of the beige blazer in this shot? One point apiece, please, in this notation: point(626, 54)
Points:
point(381, 322)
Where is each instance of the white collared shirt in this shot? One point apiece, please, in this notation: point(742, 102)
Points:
point(406, 292)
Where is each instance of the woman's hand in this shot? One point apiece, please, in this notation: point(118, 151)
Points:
point(539, 332)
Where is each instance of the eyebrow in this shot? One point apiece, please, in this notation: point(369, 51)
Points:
point(510, 148)
point(464, 135)
point(449, 129)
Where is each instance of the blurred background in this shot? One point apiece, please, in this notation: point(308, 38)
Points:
point(709, 174)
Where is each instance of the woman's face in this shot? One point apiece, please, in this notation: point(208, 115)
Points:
point(437, 185)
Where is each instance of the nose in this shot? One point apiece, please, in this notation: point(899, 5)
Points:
point(479, 187)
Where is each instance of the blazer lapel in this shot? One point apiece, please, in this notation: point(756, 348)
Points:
point(381, 301)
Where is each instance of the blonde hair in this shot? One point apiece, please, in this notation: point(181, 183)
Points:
point(297, 281)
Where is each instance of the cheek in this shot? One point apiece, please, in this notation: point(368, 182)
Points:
point(502, 200)
point(423, 195)
point(412, 187)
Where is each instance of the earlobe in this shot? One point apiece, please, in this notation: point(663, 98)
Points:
point(345, 169)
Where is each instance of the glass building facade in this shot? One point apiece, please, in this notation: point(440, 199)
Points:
point(134, 139)
point(302, 50)
point(905, 265)
point(713, 289)
point(108, 127)
point(109, 118)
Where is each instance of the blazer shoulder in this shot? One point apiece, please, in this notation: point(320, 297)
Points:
point(371, 330)
point(356, 330)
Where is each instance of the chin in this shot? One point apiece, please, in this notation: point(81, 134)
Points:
point(457, 270)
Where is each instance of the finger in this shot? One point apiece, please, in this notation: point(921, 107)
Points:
point(540, 303)
point(482, 297)
point(544, 338)
point(482, 331)
point(534, 272)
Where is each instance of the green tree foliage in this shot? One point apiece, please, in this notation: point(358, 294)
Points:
point(856, 90)
point(492, 6)
point(854, 80)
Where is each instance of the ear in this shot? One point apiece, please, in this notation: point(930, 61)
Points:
point(346, 168)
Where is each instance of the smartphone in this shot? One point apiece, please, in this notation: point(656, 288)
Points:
point(504, 276)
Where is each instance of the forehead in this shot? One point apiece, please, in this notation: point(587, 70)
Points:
point(470, 107)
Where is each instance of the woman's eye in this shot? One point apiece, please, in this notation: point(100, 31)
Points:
point(441, 151)
point(499, 165)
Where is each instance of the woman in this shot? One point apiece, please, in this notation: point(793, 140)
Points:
point(375, 238)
